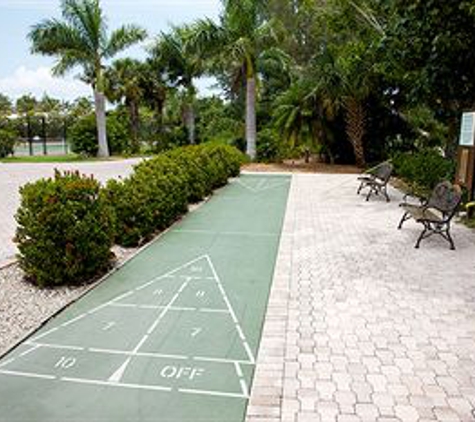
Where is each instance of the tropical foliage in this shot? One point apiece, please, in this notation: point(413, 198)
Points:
point(341, 81)
point(81, 39)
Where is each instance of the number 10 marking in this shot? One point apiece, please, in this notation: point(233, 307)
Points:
point(65, 362)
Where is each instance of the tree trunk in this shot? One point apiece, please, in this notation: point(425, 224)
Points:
point(134, 125)
point(356, 127)
point(100, 108)
point(190, 123)
point(251, 118)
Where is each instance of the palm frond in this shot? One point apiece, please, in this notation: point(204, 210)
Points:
point(123, 38)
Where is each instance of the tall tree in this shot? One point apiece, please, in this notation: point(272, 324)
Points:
point(5, 105)
point(181, 66)
point(234, 46)
point(26, 104)
point(123, 82)
point(430, 46)
point(82, 39)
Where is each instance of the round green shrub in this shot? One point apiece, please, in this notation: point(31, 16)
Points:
point(65, 230)
point(149, 200)
point(269, 147)
point(193, 165)
point(83, 135)
point(424, 168)
point(7, 142)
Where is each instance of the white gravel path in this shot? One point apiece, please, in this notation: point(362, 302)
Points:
point(24, 307)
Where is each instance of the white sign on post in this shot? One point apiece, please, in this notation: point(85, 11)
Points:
point(467, 130)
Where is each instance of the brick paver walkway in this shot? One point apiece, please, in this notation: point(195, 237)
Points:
point(12, 176)
point(361, 326)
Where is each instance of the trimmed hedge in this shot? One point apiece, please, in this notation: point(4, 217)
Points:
point(65, 229)
point(423, 169)
point(67, 224)
point(160, 189)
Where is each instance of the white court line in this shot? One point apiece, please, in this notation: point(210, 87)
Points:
point(244, 388)
point(260, 185)
point(137, 306)
point(139, 354)
point(26, 352)
point(7, 362)
point(124, 385)
point(230, 233)
point(221, 360)
point(238, 369)
point(55, 346)
point(242, 381)
point(117, 298)
point(118, 374)
point(129, 353)
point(212, 393)
point(94, 310)
point(172, 308)
point(27, 374)
point(231, 310)
point(117, 384)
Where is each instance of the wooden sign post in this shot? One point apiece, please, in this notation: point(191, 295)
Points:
point(466, 154)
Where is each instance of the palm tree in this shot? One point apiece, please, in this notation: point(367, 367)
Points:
point(180, 64)
point(81, 39)
point(234, 47)
point(5, 105)
point(123, 82)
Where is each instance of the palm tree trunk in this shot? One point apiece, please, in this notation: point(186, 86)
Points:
point(100, 108)
point(134, 125)
point(356, 127)
point(190, 123)
point(251, 117)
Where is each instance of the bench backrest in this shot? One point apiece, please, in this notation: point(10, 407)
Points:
point(383, 171)
point(446, 198)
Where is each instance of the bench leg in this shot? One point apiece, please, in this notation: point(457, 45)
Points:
point(360, 187)
point(406, 216)
point(371, 190)
point(385, 192)
point(427, 229)
point(449, 238)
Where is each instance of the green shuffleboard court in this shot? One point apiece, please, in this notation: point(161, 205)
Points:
point(171, 336)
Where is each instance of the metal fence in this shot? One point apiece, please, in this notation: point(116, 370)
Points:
point(41, 146)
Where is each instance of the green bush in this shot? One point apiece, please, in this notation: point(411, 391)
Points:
point(149, 200)
point(65, 229)
point(83, 135)
point(7, 142)
point(270, 148)
point(159, 190)
point(423, 169)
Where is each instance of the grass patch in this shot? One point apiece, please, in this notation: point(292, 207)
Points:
point(70, 158)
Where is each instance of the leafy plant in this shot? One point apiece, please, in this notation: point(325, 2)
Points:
point(65, 230)
point(7, 142)
point(424, 168)
point(83, 135)
point(159, 190)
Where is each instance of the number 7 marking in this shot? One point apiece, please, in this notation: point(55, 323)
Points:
point(195, 331)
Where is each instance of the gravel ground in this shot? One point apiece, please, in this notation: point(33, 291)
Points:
point(24, 307)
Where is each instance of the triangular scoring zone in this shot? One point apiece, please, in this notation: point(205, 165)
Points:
point(262, 185)
point(196, 270)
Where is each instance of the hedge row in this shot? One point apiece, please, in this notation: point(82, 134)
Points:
point(423, 169)
point(68, 224)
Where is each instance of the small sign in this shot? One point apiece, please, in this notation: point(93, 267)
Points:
point(467, 130)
